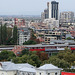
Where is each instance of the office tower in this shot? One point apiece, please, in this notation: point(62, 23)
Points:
point(67, 17)
point(53, 9)
point(46, 13)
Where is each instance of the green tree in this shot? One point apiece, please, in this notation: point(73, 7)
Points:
point(24, 58)
point(6, 55)
point(4, 34)
point(17, 60)
point(9, 33)
point(36, 59)
point(30, 61)
point(59, 62)
point(15, 35)
point(69, 38)
point(24, 52)
point(29, 42)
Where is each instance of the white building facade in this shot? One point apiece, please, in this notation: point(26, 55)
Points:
point(52, 23)
point(9, 68)
point(23, 35)
point(48, 69)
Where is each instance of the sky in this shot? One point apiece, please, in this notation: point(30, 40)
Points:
point(32, 7)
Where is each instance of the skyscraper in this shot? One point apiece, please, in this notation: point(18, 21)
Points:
point(53, 9)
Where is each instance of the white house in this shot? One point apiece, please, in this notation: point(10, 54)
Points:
point(48, 69)
point(9, 68)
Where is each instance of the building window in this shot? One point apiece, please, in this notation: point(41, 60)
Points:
point(55, 73)
point(33, 74)
point(40, 73)
point(48, 73)
point(28, 73)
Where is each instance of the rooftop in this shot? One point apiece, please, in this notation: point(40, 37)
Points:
point(49, 67)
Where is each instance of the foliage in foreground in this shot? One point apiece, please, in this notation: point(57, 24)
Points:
point(64, 59)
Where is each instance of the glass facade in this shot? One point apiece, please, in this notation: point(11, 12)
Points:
point(54, 10)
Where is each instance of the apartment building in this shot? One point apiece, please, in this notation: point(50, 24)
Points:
point(19, 22)
point(23, 35)
point(66, 17)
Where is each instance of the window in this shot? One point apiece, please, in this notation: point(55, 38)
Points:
point(28, 73)
point(22, 73)
point(48, 73)
point(55, 73)
point(33, 74)
point(40, 73)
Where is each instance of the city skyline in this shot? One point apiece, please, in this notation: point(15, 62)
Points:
point(27, 7)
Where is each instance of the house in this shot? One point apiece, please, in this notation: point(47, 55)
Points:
point(48, 69)
point(9, 68)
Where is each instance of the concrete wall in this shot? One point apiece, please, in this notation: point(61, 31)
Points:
point(45, 72)
point(8, 73)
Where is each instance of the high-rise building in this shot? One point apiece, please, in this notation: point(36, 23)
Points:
point(53, 9)
point(67, 17)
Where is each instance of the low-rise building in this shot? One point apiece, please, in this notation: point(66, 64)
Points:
point(48, 69)
point(19, 22)
point(9, 68)
point(23, 35)
point(52, 23)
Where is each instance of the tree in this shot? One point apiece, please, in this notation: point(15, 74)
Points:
point(69, 38)
point(29, 42)
point(6, 55)
point(4, 34)
point(30, 61)
point(24, 52)
point(1, 40)
point(42, 56)
point(17, 60)
point(15, 35)
point(38, 53)
point(33, 37)
point(59, 62)
point(36, 59)
point(9, 33)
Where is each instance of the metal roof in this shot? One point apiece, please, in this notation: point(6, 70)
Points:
point(9, 66)
point(48, 67)
point(26, 69)
point(40, 45)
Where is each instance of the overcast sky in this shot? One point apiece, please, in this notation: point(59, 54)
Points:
point(32, 7)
